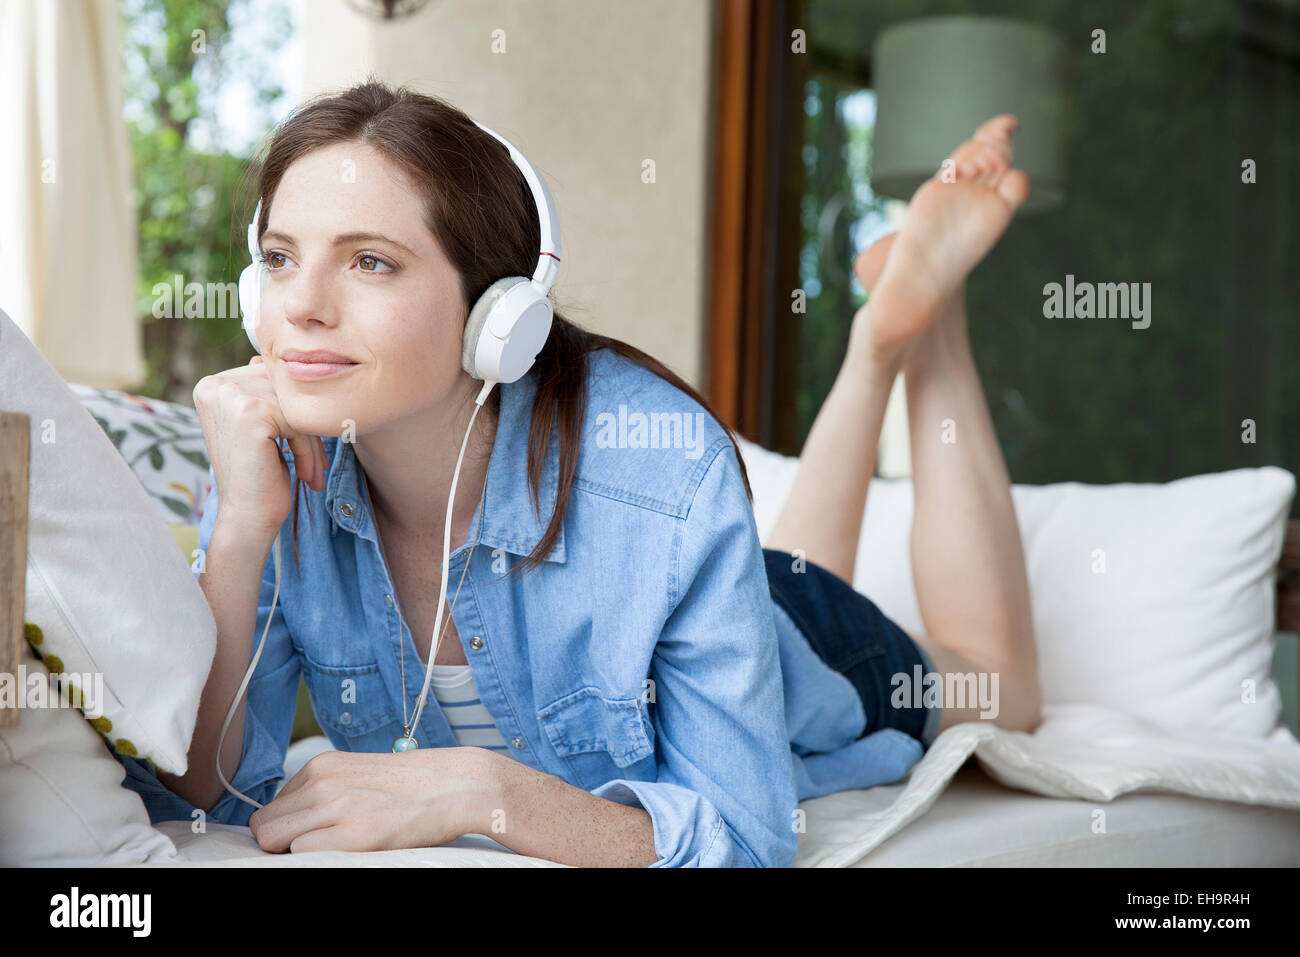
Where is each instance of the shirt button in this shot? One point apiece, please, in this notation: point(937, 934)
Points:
point(389, 599)
point(345, 717)
point(476, 643)
point(346, 508)
point(517, 743)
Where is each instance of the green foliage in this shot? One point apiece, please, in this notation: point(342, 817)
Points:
point(187, 190)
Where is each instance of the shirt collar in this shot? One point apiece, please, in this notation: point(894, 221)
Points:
point(506, 509)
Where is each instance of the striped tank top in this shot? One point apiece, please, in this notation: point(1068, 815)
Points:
point(457, 695)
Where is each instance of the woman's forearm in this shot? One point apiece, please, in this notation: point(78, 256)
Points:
point(231, 581)
point(543, 816)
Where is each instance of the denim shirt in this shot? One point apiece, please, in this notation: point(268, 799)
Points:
point(643, 660)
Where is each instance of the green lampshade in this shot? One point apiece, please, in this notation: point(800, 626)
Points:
point(938, 78)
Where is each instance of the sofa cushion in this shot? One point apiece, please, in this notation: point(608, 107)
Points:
point(161, 441)
point(105, 591)
point(61, 799)
point(1154, 599)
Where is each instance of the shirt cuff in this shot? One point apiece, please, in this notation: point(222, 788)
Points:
point(688, 830)
point(256, 779)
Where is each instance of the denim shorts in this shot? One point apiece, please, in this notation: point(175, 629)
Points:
point(854, 637)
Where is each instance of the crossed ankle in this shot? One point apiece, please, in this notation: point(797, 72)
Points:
point(943, 345)
point(867, 349)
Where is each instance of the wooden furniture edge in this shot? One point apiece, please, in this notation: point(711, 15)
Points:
point(15, 462)
point(1288, 580)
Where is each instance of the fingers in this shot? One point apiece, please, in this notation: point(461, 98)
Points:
point(320, 462)
point(335, 838)
point(310, 460)
point(294, 796)
point(277, 831)
point(305, 461)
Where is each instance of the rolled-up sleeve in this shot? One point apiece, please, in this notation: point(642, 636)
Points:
point(725, 790)
point(268, 714)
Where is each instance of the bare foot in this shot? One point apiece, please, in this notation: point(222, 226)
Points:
point(950, 227)
point(870, 263)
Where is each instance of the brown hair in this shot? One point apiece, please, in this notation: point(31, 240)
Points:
point(479, 208)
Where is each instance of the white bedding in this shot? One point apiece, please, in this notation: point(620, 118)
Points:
point(226, 845)
point(1080, 752)
point(978, 822)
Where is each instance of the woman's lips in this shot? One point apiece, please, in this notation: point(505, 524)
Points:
point(313, 371)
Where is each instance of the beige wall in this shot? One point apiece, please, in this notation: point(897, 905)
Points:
point(588, 90)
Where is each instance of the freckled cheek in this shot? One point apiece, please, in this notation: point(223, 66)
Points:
point(423, 361)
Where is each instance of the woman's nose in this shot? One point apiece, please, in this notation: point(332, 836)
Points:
point(308, 297)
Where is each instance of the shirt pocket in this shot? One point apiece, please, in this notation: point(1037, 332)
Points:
point(597, 735)
point(350, 700)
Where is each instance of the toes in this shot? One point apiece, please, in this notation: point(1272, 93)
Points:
point(996, 134)
point(999, 127)
point(1014, 187)
point(966, 160)
point(1000, 149)
point(996, 162)
point(870, 263)
point(978, 162)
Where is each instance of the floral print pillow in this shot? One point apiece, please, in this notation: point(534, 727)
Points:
point(163, 444)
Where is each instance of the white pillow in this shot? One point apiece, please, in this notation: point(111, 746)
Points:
point(1179, 627)
point(105, 585)
point(61, 799)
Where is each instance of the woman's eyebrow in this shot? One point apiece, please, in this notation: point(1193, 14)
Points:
point(340, 239)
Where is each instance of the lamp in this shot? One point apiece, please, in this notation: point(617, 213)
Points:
point(938, 78)
point(388, 9)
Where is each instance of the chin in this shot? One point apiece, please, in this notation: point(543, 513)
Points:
point(318, 415)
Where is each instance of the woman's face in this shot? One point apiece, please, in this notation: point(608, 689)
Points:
point(352, 269)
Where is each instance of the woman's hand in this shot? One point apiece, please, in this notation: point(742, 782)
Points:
point(241, 419)
point(345, 801)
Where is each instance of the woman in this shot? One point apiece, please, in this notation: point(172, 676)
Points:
point(652, 687)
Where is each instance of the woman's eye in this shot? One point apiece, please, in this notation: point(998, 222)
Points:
point(373, 264)
point(274, 260)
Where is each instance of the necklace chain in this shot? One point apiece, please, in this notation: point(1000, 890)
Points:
point(401, 643)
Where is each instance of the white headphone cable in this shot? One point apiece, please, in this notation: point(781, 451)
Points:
point(446, 551)
point(442, 599)
point(247, 677)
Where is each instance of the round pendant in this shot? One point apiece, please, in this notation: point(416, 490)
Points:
point(404, 744)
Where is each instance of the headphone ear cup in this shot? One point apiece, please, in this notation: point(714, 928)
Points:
point(477, 321)
point(250, 295)
point(505, 330)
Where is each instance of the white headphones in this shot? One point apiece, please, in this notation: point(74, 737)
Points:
point(509, 323)
point(505, 330)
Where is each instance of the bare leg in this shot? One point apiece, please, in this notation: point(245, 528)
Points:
point(967, 560)
point(966, 554)
point(822, 517)
point(950, 227)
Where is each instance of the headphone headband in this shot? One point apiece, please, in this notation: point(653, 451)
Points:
point(547, 218)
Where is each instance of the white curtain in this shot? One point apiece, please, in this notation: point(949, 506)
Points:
point(67, 230)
